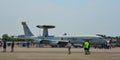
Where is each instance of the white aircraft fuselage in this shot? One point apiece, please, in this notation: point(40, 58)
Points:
point(57, 39)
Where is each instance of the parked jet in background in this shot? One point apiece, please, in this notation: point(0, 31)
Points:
point(59, 40)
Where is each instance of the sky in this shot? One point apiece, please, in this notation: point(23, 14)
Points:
point(75, 17)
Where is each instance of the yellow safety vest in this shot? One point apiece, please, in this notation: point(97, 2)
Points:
point(86, 45)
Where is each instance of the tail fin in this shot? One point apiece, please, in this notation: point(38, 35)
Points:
point(27, 31)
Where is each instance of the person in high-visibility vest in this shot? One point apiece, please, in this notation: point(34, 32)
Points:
point(87, 47)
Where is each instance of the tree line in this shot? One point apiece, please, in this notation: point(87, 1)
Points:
point(11, 38)
point(108, 37)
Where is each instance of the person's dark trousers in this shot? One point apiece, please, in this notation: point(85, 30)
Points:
point(87, 52)
point(69, 51)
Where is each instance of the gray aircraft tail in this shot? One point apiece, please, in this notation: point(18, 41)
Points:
point(27, 31)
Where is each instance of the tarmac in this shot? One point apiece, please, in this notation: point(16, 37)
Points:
point(59, 54)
